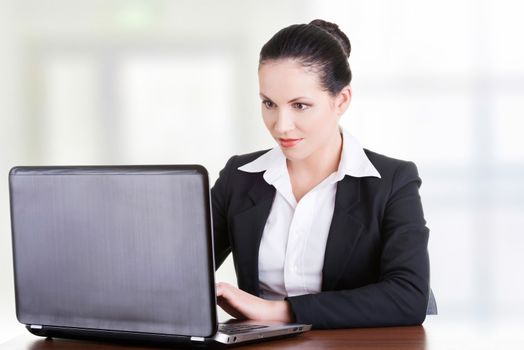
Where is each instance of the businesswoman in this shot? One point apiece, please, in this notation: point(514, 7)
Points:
point(321, 230)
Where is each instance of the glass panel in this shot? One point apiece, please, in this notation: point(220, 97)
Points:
point(70, 128)
point(508, 282)
point(508, 126)
point(175, 108)
point(429, 127)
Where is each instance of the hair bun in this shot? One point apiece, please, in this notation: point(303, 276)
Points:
point(335, 31)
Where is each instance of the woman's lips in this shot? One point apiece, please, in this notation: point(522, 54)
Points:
point(287, 143)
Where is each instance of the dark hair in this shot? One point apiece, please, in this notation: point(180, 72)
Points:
point(319, 45)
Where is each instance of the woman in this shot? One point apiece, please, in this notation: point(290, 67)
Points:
point(321, 230)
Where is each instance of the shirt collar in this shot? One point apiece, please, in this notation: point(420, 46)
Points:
point(353, 162)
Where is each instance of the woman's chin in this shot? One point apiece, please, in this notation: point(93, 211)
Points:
point(294, 154)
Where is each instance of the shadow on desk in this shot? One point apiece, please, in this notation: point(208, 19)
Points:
point(406, 338)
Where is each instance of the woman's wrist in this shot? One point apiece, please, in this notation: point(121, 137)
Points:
point(282, 311)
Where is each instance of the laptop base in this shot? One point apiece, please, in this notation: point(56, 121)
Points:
point(145, 339)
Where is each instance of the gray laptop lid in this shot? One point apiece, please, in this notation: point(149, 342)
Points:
point(125, 248)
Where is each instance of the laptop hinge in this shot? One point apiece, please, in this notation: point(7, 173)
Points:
point(201, 339)
point(35, 326)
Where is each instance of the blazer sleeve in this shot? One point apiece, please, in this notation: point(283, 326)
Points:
point(400, 295)
point(219, 201)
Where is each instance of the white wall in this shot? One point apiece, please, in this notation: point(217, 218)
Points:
point(128, 82)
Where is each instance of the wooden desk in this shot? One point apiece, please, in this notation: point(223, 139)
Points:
point(380, 338)
point(434, 335)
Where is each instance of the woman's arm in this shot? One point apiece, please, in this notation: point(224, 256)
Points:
point(400, 296)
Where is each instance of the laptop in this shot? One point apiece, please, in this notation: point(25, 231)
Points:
point(120, 252)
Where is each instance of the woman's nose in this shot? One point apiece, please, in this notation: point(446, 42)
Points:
point(284, 123)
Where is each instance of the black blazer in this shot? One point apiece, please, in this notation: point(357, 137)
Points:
point(376, 265)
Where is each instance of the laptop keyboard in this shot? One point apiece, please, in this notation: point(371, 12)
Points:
point(231, 328)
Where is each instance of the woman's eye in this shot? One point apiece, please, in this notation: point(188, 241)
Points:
point(300, 106)
point(268, 104)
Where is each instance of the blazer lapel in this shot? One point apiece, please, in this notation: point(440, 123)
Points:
point(248, 227)
point(343, 233)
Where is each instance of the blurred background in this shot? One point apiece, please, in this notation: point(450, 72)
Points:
point(440, 83)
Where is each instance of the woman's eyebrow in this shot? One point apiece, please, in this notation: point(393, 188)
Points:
point(298, 98)
point(265, 97)
point(290, 101)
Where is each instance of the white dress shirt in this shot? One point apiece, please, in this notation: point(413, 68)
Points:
point(291, 253)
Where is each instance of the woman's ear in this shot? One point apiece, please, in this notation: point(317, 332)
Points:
point(343, 100)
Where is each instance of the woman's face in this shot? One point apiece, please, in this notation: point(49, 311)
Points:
point(299, 114)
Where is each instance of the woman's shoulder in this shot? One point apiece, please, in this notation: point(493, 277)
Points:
point(390, 167)
point(231, 174)
point(239, 160)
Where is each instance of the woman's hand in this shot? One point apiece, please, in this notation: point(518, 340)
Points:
point(242, 305)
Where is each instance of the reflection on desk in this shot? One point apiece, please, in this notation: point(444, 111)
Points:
point(435, 334)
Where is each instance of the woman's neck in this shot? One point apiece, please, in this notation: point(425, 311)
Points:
point(321, 163)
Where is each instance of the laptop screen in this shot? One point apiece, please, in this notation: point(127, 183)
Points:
point(114, 248)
